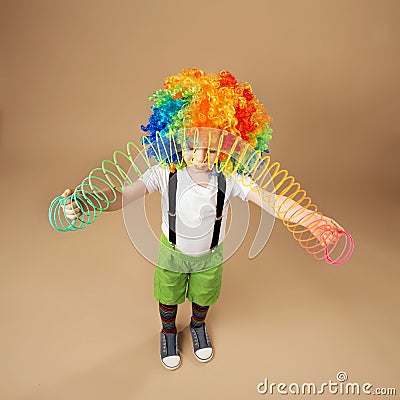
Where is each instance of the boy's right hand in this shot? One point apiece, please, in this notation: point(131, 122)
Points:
point(70, 213)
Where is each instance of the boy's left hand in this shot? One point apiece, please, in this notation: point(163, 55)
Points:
point(326, 230)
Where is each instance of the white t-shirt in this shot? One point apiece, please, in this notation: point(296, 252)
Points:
point(195, 207)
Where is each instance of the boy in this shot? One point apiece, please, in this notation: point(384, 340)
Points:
point(195, 198)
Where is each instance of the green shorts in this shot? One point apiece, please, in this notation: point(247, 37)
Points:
point(172, 287)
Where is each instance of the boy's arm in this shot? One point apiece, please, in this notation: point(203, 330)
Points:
point(130, 194)
point(286, 209)
point(148, 182)
point(98, 197)
point(281, 207)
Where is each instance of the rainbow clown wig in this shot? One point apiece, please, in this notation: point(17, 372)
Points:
point(194, 99)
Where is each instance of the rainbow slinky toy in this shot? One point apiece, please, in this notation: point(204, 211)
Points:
point(210, 111)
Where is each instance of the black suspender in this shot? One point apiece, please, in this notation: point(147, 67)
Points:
point(220, 206)
point(172, 186)
point(172, 183)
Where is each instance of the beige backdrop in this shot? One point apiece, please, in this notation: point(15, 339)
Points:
point(78, 318)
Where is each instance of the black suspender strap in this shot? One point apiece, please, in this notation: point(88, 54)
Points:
point(172, 187)
point(172, 184)
point(220, 206)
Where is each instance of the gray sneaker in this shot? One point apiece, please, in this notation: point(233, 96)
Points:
point(169, 351)
point(202, 347)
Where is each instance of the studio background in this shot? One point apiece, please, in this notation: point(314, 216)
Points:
point(77, 313)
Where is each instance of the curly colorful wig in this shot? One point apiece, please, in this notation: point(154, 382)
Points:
point(196, 99)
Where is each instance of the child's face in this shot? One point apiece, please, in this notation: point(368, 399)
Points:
point(200, 158)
